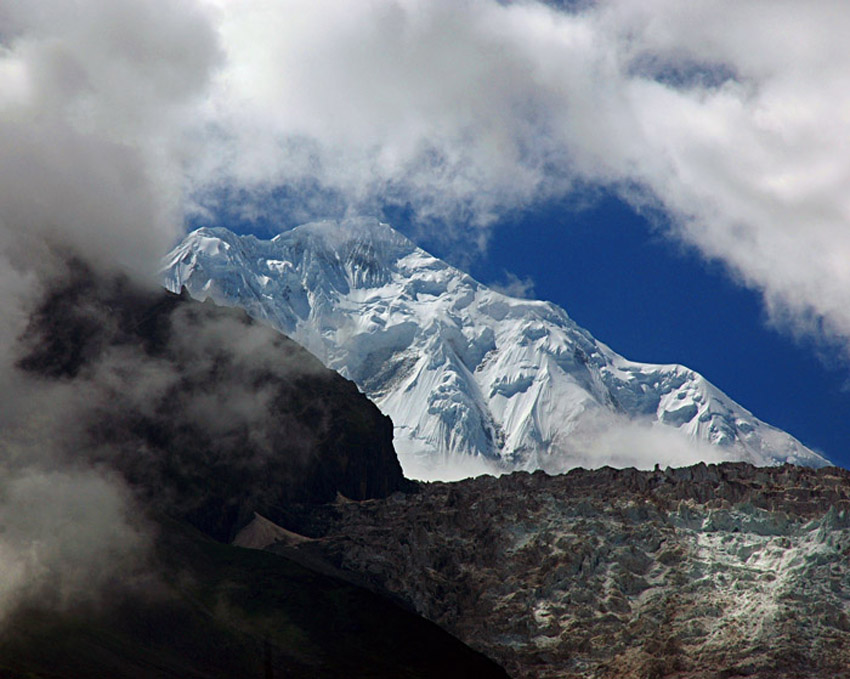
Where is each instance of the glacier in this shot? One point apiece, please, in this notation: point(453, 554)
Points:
point(475, 381)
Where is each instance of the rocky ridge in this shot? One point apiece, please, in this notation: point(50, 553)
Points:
point(703, 572)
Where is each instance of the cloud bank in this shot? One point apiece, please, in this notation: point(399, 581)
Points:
point(728, 116)
point(118, 117)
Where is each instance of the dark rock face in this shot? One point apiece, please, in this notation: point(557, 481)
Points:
point(705, 572)
point(209, 415)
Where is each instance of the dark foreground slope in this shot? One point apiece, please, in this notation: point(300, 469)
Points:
point(206, 417)
point(706, 572)
point(210, 610)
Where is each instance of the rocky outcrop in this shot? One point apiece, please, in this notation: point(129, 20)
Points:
point(703, 572)
point(209, 415)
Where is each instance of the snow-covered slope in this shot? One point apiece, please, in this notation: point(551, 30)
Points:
point(473, 380)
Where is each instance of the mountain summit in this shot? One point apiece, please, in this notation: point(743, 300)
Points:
point(473, 380)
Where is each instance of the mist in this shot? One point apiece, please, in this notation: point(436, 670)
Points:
point(617, 442)
point(603, 440)
point(95, 103)
point(67, 537)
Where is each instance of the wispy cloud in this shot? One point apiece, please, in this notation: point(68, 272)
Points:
point(66, 536)
point(514, 286)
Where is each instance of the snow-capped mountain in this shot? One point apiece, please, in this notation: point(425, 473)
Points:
point(473, 380)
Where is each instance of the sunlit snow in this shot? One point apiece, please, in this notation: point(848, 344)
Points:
point(474, 381)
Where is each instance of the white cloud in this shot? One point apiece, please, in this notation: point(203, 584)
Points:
point(514, 286)
point(728, 115)
point(755, 169)
point(731, 116)
point(95, 102)
point(433, 102)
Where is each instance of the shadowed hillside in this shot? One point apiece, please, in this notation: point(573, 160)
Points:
point(193, 418)
point(209, 415)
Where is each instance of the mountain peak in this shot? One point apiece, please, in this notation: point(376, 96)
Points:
point(473, 380)
point(339, 233)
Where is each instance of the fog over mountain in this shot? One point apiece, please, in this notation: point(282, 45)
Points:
point(89, 126)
